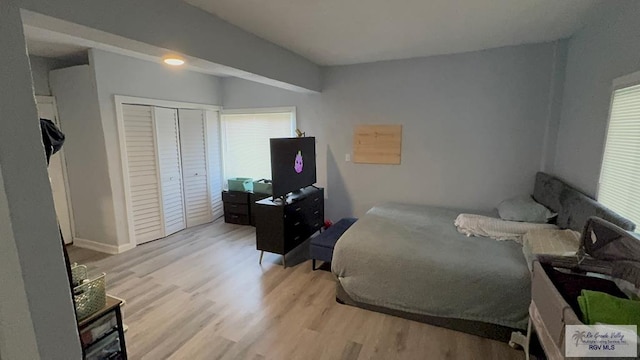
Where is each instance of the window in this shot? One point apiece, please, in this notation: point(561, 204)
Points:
point(619, 187)
point(245, 140)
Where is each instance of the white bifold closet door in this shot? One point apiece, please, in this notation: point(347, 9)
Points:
point(193, 148)
point(173, 162)
point(142, 165)
point(168, 140)
point(215, 163)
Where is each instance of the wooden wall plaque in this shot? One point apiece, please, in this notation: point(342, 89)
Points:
point(377, 144)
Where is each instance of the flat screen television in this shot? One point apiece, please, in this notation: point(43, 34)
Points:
point(293, 164)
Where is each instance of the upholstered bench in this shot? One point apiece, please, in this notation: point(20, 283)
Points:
point(321, 247)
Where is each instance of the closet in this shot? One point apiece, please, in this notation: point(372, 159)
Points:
point(172, 167)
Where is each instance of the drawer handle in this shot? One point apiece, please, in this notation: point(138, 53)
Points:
point(316, 212)
point(316, 199)
point(235, 216)
point(316, 225)
point(297, 237)
point(298, 209)
point(234, 206)
point(296, 224)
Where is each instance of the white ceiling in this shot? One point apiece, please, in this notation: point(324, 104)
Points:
point(335, 32)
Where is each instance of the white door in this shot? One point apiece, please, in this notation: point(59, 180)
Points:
point(57, 172)
point(193, 150)
point(214, 161)
point(144, 201)
point(170, 169)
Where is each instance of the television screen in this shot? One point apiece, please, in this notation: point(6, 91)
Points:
point(293, 164)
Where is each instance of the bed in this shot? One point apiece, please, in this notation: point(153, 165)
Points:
point(410, 261)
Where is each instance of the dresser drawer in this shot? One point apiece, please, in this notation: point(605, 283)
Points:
point(314, 212)
point(294, 213)
point(295, 236)
point(315, 224)
point(235, 197)
point(238, 209)
point(315, 199)
point(294, 209)
point(296, 225)
point(237, 219)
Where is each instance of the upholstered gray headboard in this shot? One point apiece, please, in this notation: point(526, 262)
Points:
point(572, 206)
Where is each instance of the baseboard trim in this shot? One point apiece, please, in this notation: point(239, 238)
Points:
point(100, 247)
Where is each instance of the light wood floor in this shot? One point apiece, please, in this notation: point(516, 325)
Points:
point(200, 294)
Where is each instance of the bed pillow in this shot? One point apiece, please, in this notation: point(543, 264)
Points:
point(549, 242)
point(524, 208)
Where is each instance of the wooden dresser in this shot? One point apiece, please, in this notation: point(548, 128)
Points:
point(239, 206)
point(236, 207)
point(282, 226)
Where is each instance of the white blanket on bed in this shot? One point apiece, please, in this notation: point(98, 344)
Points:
point(478, 225)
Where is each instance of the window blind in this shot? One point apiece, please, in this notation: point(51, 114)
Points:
point(619, 187)
point(246, 151)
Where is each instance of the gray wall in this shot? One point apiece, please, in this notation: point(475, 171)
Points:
point(607, 48)
point(474, 125)
point(41, 66)
point(178, 26)
point(15, 316)
point(29, 230)
point(50, 331)
point(121, 75)
point(84, 149)
point(85, 99)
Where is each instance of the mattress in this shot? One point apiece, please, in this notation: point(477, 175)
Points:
point(412, 259)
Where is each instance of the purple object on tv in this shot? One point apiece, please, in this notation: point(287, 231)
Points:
point(293, 164)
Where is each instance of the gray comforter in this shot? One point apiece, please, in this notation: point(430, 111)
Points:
point(411, 258)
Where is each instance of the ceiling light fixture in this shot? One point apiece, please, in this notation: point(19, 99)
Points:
point(173, 61)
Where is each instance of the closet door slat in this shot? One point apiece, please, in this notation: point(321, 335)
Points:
point(144, 189)
point(193, 148)
point(170, 169)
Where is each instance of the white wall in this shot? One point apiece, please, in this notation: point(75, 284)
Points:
point(607, 48)
point(30, 243)
point(473, 125)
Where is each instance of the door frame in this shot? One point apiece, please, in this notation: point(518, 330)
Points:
point(133, 100)
point(42, 99)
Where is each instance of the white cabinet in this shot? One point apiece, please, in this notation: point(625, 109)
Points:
point(171, 175)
